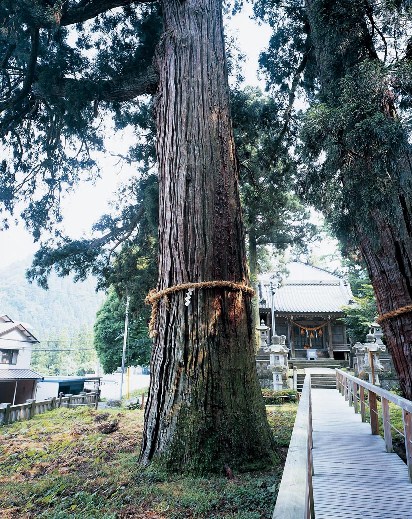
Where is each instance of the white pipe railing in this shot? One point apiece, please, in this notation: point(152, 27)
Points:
point(353, 390)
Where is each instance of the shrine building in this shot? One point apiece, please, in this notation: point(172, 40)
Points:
point(306, 306)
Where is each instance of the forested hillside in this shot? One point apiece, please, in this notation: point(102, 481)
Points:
point(65, 309)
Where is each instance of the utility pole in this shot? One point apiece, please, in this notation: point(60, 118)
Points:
point(273, 285)
point(126, 328)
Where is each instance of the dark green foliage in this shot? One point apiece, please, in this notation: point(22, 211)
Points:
point(55, 86)
point(290, 53)
point(121, 240)
point(360, 316)
point(108, 335)
point(123, 258)
point(272, 211)
point(356, 75)
point(361, 168)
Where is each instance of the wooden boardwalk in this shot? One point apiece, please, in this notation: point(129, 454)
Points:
point(354, 477)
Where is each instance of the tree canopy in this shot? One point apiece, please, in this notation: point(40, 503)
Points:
point(108, 336)
point(65, 67)
point(272, 211)
point(355, 153)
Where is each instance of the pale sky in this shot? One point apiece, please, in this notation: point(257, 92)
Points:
point(83, 208)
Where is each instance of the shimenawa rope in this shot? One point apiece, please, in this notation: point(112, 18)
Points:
point(154, 296)
point(394, 313)
point(309, 329)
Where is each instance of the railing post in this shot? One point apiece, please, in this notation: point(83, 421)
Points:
point(362, 403)
point(7, 412)
point(346, 393)
point(373, 408)
point(386, 425)
point(350, 396)
point(31, 408)
point(407, 427)
point(355, 397)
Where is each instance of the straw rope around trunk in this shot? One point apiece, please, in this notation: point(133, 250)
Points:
point(154, 296)
point(394, 313)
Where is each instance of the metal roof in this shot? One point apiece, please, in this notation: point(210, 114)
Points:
point(8, 326)
point(19, 374)
point(306, 290)
point(58, 378)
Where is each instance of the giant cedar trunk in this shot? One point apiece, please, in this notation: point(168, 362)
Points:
point(204, 408)
point(390, 268)
point(342, 41)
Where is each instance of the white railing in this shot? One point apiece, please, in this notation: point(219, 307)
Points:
point(354, 389)
point(15, 413)
point(295, 496)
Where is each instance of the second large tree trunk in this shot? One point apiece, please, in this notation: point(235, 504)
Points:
point(205, 408)
point(390, 268)
point(374, 170)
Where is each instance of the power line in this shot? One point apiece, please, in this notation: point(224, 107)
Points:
point(17, 340)
point(66, 349)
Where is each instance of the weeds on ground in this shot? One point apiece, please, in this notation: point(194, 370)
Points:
point(60, 465)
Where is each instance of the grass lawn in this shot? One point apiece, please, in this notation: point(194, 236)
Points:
point(65, 464)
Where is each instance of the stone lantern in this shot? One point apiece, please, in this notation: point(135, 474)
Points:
point(263, 334)
point(377, 332)
point(278, 365)
point(367, 357)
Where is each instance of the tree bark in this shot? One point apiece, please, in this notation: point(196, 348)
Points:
point(390, 269)
point(204, 408)
point(383, 235)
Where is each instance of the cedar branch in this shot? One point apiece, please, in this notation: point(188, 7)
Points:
point(45, 16)
point(123, 88)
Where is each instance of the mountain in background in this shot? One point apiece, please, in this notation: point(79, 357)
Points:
point(67, 308)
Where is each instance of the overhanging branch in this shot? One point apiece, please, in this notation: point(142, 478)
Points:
point(93, 8)
point(47, 16)
point(123, 88)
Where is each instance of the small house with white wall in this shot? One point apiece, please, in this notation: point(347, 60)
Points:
point(17, 381)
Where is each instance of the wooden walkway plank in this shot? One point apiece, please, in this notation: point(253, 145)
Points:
point(354, 477)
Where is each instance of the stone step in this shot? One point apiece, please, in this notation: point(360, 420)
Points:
point(318, 381)
point(323, 363)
